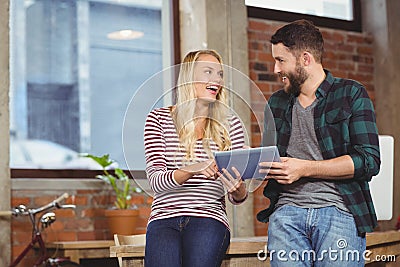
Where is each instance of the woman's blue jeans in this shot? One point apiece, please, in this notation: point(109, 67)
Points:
point(314, 237)
point(186, 241)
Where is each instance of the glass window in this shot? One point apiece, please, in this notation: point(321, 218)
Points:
point(337, 9)
point(75, 65)
point(338, 14)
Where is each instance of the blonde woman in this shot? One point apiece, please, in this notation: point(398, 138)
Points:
point(188, 225)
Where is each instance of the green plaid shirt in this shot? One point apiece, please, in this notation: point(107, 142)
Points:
point(344, 122)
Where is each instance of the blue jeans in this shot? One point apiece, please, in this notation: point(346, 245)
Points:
point(186, 241)
point(314, 237)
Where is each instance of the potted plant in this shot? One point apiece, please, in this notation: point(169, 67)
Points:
point(122, 218)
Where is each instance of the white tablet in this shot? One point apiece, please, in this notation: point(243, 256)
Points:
point(246, 160)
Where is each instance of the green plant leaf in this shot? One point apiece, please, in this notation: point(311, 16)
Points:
point(121, 174)
point(105, 178)
point(104, 161)
point(118, 180)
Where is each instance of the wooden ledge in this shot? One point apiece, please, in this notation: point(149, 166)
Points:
point(238, 244)
point(242, 246)
point(377, 238)
point(86, 244)
point(379, 243)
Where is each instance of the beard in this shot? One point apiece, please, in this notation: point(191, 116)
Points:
point(296, 80)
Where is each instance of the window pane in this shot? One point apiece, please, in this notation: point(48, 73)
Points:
point(337, 9)
point(75, 65)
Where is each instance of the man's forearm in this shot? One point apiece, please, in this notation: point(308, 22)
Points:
point(338, 168)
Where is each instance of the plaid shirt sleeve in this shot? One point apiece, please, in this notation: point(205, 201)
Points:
point(364, 137)
point(347, 126)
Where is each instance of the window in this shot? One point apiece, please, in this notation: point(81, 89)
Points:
point(74, 67)
point(340, 14)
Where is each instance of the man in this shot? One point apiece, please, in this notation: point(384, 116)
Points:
point(321, 205)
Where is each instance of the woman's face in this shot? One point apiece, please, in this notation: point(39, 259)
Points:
point(208, 77)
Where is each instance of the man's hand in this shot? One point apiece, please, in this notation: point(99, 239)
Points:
point(287, 171)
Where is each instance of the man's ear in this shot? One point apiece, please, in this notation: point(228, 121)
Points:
point(306, 58)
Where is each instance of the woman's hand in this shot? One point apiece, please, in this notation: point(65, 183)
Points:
point(235, 186)
point(207, 168)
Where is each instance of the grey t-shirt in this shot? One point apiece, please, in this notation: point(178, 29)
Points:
point(303, 144)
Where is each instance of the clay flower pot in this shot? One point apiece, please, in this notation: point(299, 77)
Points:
point(122, 221)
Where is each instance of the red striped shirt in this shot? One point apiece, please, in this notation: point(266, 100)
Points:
point(198, 196)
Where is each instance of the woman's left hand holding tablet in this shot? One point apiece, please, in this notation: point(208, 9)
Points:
point(235, 186)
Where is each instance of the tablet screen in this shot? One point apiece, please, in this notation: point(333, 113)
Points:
point(246, 160)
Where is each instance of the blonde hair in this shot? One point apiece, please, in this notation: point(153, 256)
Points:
point(217, 125)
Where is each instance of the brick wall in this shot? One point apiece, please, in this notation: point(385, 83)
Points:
point(86, 222)
point(347, 55)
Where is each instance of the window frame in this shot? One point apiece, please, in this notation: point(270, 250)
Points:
point(285, 16)
point(84, 173)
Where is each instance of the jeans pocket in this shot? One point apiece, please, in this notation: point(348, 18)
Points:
point(344, 212)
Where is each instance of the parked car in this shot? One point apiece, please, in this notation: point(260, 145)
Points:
point(43, 154)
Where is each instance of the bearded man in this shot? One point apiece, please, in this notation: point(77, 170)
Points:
point(320, 202)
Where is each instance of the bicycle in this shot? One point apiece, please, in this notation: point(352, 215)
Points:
point(38, 225)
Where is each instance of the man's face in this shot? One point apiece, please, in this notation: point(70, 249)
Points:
point(289, 68)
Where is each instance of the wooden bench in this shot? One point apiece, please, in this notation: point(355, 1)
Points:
point(242, 251)
point(77, 250)
point(247, 251)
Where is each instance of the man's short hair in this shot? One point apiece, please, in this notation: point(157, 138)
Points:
point(299, 36)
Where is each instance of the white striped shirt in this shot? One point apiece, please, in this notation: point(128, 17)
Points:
point(198, 196)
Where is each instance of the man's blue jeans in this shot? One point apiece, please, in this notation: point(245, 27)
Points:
point(314, 237)
point(186, 241)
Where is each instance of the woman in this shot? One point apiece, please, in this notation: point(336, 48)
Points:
point(188, 225)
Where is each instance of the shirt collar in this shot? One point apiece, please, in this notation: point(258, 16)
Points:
point(325, 86)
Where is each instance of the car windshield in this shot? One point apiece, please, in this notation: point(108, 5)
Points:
point(42, 151)
point(43, 154)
